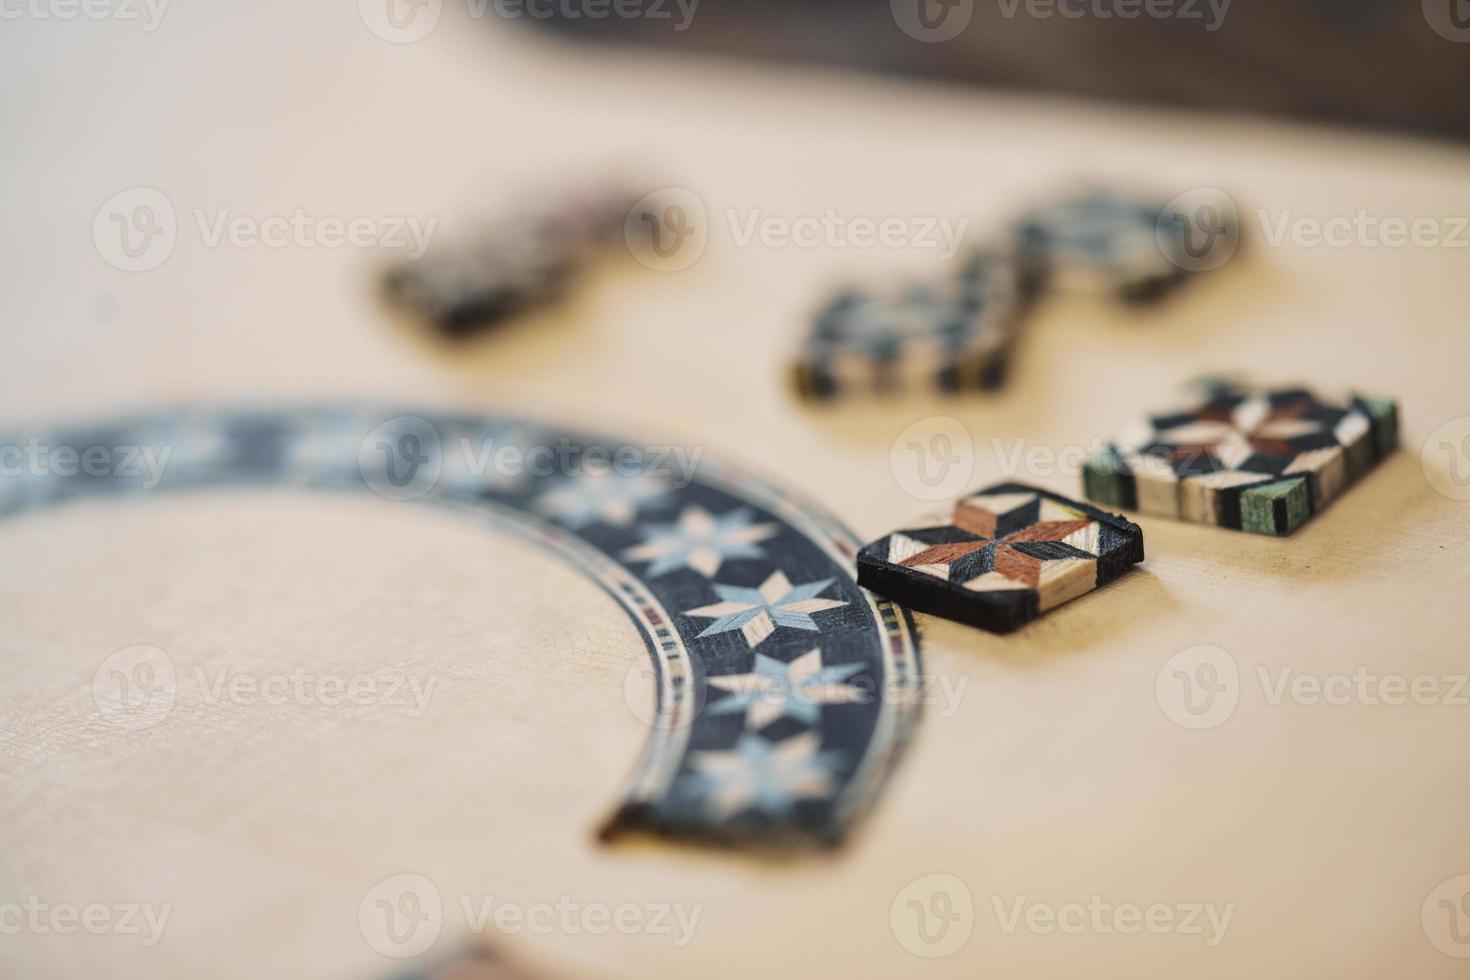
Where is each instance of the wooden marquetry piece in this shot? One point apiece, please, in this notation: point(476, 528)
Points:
point(525, 258)
point(951, 335)
point(1001, 558)
point(957, 333)
point(1253, 459)
point(1136, 247)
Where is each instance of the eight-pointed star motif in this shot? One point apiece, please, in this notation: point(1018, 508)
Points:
point(768, 777)
point(988, 551)
point(602, 495)
point(700, 541)
point(757, 612)
point(777, 690)
point(1236, 433)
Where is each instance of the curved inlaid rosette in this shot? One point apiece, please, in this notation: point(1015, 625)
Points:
point(784, 691)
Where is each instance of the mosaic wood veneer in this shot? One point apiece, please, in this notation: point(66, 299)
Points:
point(951, 335)
point(1253, 459)
point(1001, 558)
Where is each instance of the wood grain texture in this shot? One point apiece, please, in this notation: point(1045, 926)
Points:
point(1049, 770)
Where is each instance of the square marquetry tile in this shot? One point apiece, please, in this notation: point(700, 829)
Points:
point(1262, 460)
point(1001, 558)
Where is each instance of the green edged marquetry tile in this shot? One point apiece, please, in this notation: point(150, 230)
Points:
point(1258, 459)
point(1276, 508)
point(1105, 480)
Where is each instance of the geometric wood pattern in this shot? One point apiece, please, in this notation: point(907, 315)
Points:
point(951, 335)
point(1104, 241)
point(741, 596)
point(1248, 458)
point(1004, 556)
point(525, 258)
point(957, 333)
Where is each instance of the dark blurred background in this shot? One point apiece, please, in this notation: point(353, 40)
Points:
point(1382, 63)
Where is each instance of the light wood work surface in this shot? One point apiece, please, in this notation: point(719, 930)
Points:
point(1048, 771)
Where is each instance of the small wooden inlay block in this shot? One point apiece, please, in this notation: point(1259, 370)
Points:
point(1002, 557)
point(951, 335)
point(1252, 459)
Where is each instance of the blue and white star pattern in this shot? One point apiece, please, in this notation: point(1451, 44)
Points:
point(762, 776)
point(757, 612)
point(786, 743)
point(776, 690)
point(601, 495)
point(700, 541)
